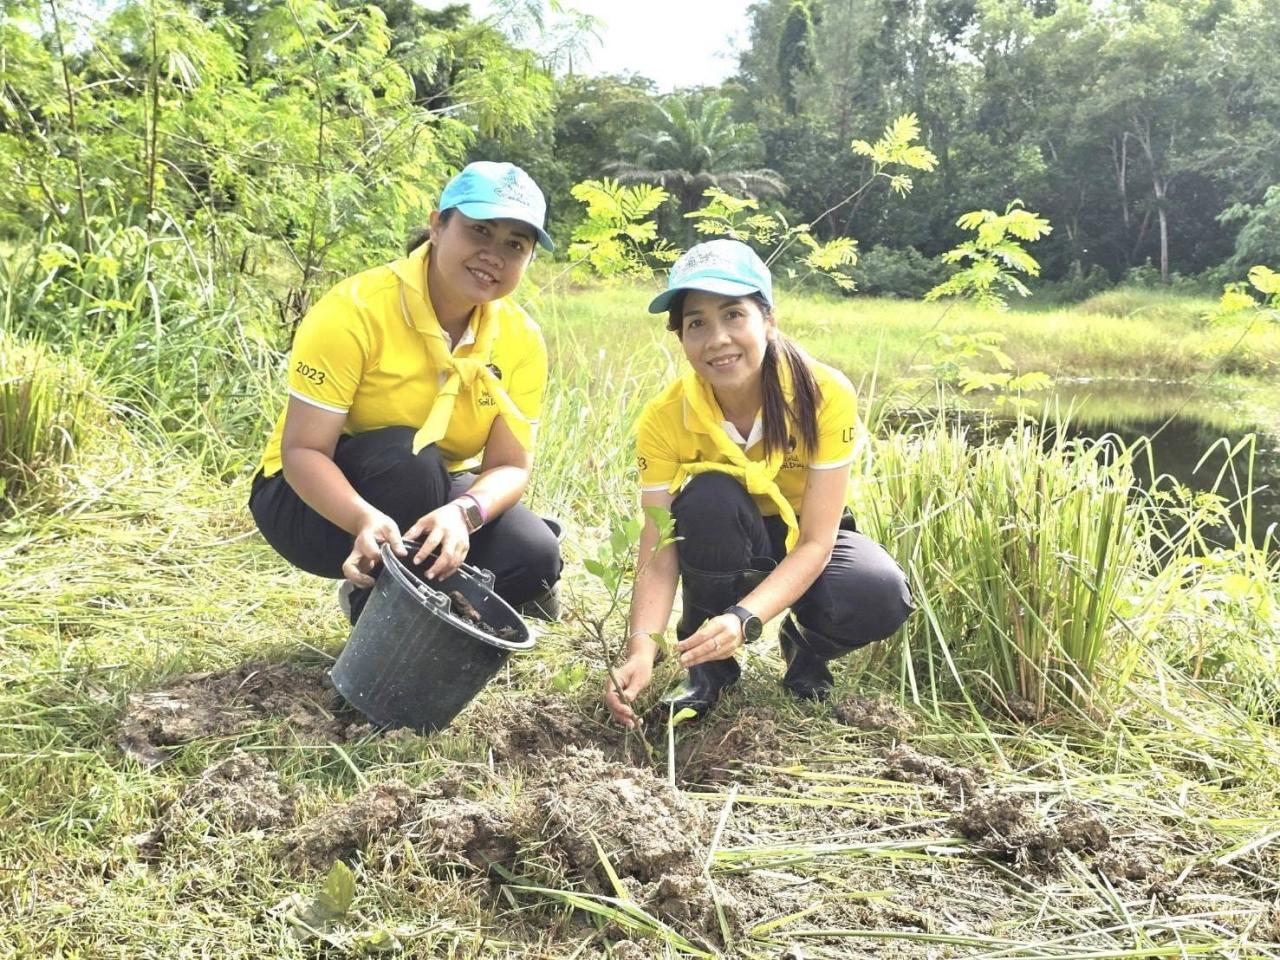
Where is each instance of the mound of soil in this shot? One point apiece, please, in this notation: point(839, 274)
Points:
point(906, 764)
point(237, 794)
point(869, 714)
point(1082, 832)
point(466, 833)
point(645, 829)
point(218, 703)
point(653, 837)
point(343, 830)
point(529, 729)
point(710, 752)
point(1133, 865)
point(1004, 827)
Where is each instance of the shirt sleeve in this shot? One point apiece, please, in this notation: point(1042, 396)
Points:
point(655, 453)
point(327, 361)
point(837, 425)
point(527, 384)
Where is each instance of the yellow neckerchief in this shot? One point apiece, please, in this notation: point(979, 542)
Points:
point(415, 305)
point(758, 476)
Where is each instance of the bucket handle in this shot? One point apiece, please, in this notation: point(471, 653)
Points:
point(486, 577)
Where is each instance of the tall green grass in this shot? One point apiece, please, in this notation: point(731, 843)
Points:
point(175, 353)
point(44, 403)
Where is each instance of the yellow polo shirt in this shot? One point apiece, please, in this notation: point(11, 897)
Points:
point(668, 437)
point(355, 353)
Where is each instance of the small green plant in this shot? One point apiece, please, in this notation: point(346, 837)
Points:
point(613, 567)
point(615, 239)
point(1238, 302)
point(327, 917)
point(994, 258)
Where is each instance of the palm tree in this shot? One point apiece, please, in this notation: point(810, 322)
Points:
point(693, 144)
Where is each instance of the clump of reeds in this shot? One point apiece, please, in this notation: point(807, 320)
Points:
point(42, 411)
point(1020, 550)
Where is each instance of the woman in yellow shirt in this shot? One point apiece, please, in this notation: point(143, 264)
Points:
point(750, 451)
point(414, 395)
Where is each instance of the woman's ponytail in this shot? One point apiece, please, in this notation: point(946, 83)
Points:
point(802, 412)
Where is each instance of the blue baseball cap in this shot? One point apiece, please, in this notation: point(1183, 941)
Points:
point(729, 267)
point(485, 190)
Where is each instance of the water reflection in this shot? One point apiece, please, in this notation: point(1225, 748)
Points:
point(1192, 433)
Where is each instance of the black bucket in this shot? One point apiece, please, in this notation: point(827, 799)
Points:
point(411, 660)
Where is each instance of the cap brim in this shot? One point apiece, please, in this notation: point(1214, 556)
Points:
point(730, 288)
point(497, 211)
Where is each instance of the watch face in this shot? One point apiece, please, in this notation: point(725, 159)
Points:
point(752, 626)
point(471, 512)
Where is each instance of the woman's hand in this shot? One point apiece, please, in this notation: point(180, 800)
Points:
point(374, 531)
point(442, 531)
point(717, 639)
point(632, 676)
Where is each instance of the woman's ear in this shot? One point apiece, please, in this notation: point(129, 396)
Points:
point(436, 225)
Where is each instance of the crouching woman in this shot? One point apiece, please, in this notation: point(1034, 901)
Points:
point(414, 394)
point(750, 451)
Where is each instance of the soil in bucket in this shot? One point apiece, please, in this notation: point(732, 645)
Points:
point(420, 652)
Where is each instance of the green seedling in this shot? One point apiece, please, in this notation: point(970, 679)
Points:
point(615, 565)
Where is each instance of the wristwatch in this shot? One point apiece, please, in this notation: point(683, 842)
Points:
point(471, 512)
point(751, 624)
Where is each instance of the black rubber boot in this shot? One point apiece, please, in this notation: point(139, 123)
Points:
point(706, 595)
point(545, 606)
point(806, 654)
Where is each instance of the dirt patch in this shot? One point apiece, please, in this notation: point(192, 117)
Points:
point(218, 703)
point(906, 764)
point(462, 608)
point(529, 729)
point(711, 753)
point(237, 794)
point(1131, 865)
point(644, 828)
point(466, 833)
point(341, 831)
point(1082, 832)
point(1005, 826)
point(654, 838)
point(876, 714)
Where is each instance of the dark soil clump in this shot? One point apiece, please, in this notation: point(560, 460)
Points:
point(462, 608)
point(237, 794)
point(908, 765)
point(1133, 866)
point(218, 703)
point(340, 832)
point(1002, 826)
point(1082, 832)
point(869, 714)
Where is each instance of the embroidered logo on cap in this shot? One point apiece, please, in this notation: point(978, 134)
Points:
point(518, 187)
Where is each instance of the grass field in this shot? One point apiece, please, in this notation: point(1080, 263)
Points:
point(1069, 752)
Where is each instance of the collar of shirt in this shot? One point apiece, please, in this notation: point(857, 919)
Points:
point(757, 433)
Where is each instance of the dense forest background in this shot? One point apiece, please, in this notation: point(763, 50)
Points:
point(303, 138)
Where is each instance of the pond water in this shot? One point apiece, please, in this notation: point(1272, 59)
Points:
point(1192, 434)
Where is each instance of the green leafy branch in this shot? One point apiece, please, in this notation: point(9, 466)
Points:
point(1237, 301)
point(739, 218)
point(616, 238)
point(994, 257)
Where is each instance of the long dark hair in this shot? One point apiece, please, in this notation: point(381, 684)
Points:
point(776, 413)
point(420, 235)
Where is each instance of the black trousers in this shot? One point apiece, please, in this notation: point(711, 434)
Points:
point(861, 595)
point(517, 547)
